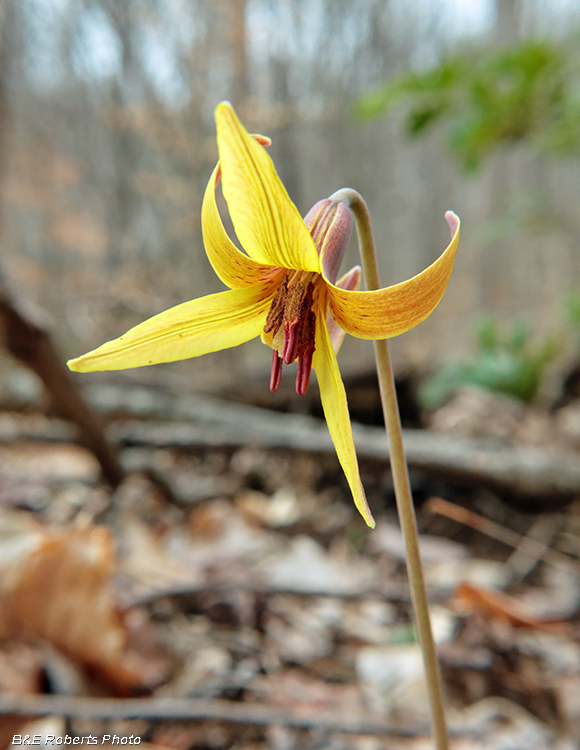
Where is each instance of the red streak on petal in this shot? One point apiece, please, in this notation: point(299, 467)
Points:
point(290, 348)
point(304, 370)
point(276, 372)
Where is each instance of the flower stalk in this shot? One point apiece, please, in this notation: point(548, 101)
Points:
point(400, 474)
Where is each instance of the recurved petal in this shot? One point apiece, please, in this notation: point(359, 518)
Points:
point(266, 221)
point(333, 397)
point(388, 312)
point(232, 266)
point(202, 325)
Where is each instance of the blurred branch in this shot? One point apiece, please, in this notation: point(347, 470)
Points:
point(27, 338)
point(388, 591)
point(185, 708)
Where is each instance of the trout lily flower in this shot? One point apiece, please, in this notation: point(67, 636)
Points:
point(283, 288)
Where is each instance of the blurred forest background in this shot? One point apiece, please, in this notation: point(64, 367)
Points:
point(207, 550)
point(107, 143)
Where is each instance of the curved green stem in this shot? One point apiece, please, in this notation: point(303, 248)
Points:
point(400, 474)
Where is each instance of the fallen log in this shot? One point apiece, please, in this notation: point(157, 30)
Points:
point(529, 474)
point(523, 472)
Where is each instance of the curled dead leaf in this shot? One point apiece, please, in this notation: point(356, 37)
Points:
point(57, 586)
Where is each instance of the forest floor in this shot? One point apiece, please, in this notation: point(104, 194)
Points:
point(234, 593)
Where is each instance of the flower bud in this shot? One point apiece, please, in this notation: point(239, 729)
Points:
point(330, 224)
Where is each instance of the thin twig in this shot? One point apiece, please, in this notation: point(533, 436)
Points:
point(389, 591)
point(533, 546)
point(498, 532)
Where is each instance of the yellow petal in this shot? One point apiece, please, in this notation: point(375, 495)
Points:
point(203, 325)
point(333, 397)
point(394, 310)
point(266, 221)
point(232, 266)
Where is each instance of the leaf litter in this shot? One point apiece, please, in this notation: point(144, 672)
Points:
point(264, 591)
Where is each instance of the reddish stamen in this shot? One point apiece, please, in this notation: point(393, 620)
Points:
point(276, 372)
point(290, 348)
point(304, 370)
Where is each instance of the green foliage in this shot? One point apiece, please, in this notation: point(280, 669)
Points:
point(489, 98)
point(572, 308)
point(505, 362)
point(572, 312)
point(402, 634)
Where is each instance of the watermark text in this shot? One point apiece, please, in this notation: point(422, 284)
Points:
point(87, 739)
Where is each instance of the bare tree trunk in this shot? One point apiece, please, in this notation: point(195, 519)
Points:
point(495, 282)
point(285, 142)
point(507, 21)
point(237, 19)
point(125, 150)
point(6, 40)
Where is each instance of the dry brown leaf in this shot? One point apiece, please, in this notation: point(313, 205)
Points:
point(57, 586)
point(468, 598)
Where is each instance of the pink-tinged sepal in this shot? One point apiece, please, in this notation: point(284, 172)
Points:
point(453, 222)
point(313, 217)
point(330, 224)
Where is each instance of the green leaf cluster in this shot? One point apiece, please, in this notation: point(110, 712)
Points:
point(530, 92)
point(506, 361)
point(572, 308)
